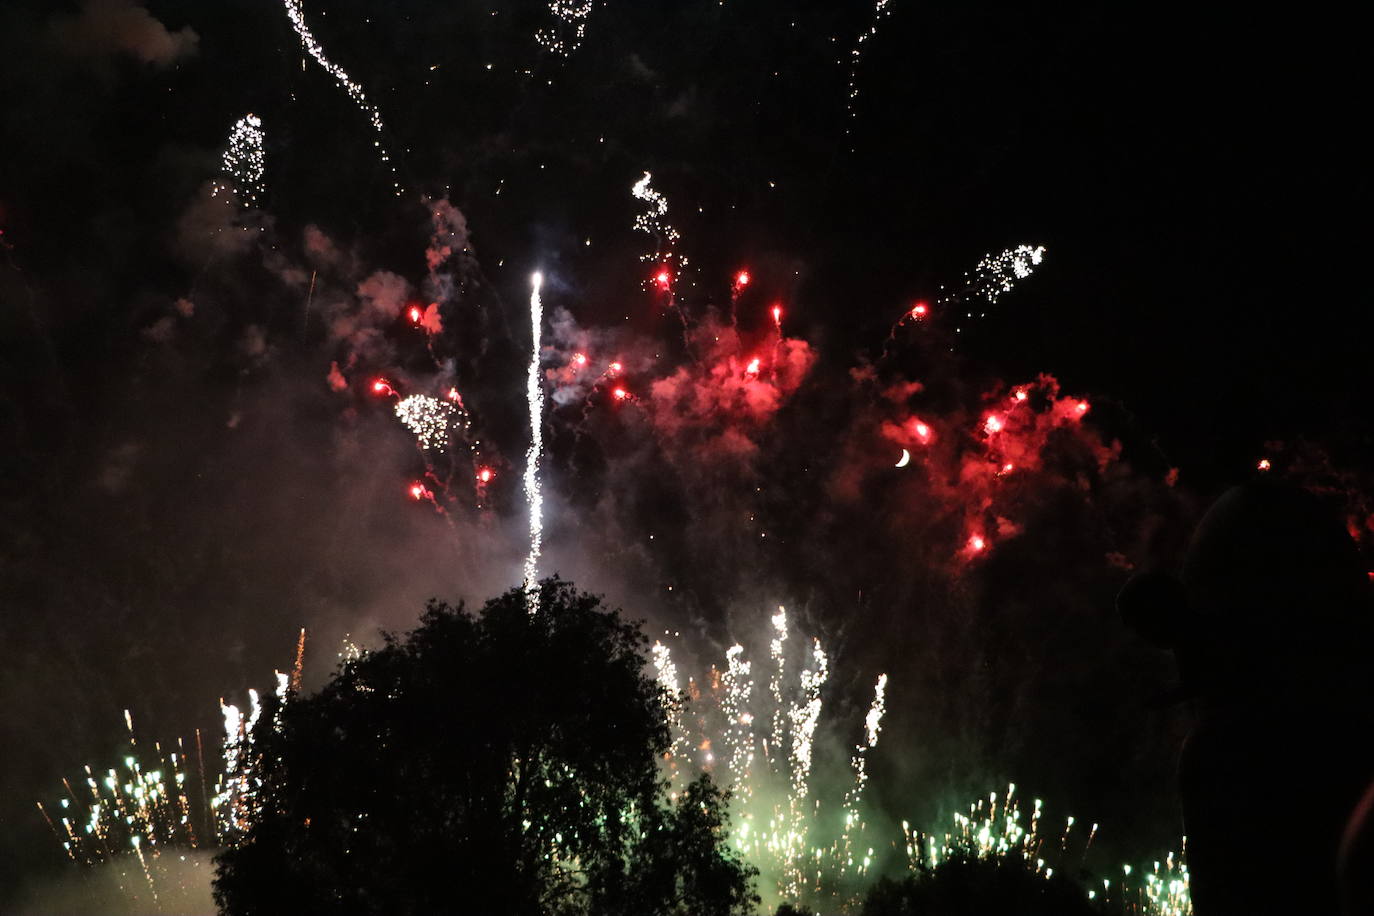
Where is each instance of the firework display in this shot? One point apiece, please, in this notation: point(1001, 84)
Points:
point(788, 386)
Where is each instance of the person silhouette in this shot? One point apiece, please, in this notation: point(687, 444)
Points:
point(1270, 623)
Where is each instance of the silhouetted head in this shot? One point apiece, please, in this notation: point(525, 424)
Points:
point(1268, 570)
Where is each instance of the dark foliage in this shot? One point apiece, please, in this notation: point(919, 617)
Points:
point(497, 763)
point(971, 886)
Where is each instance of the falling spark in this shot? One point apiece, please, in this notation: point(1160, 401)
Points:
point(652, 221)
point(919, 311)
point(534, 394)
point(880, 11)
point(296, 13)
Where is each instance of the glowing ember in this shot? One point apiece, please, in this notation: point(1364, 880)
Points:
point(742, 279)
point(922, 432)
point(753, 367)
point(920, 310)
point(993, 424)
point(382, 386)
point(976, 544)
point(620, 394)
point(419, 491)
point(1264, 464)
point(1021, 394)
point(777, 315)
point(414, 314)
point(579, 359)
point(485, 475)
point(614, 368)
point(664, 279)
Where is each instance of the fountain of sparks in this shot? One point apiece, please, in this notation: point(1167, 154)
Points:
point(994, 827)
point(758, 740)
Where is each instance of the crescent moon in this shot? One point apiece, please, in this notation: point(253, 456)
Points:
point(905, 459)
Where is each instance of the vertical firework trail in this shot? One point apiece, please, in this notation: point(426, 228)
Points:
point(534, 393)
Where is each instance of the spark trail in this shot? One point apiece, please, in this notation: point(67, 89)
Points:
point(534, 394)
point(296, 13)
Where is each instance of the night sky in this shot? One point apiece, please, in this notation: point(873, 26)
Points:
point(183, 488)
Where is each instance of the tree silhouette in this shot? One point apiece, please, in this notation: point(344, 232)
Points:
point(498, 763)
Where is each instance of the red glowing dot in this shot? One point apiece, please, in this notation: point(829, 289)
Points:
point(777, 314)
point(920, 310)
point(1264, 464)
point(485, 475)
point(993, 424)
point(753, 367)
point(976, 543)
point(620, 394)
point(742, 278)
point(1008, 468)
point(453, 395)
point(417, 491)
point(922, 431)
point(1082, 406)
point(663, 278)
point(614, 367)
point(580, 359)
point(415, 314)
point(1021, 394)
point(382, 386)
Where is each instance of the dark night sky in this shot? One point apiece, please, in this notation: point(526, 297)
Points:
point(174, 506)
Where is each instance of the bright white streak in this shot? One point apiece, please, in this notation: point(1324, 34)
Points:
point(296, 14)
point(534, 394)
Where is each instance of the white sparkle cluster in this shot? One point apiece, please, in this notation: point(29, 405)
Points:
point(244, 161)
point(296, 14)
point(572, 16)
point(427, 418)
point(997, 273)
